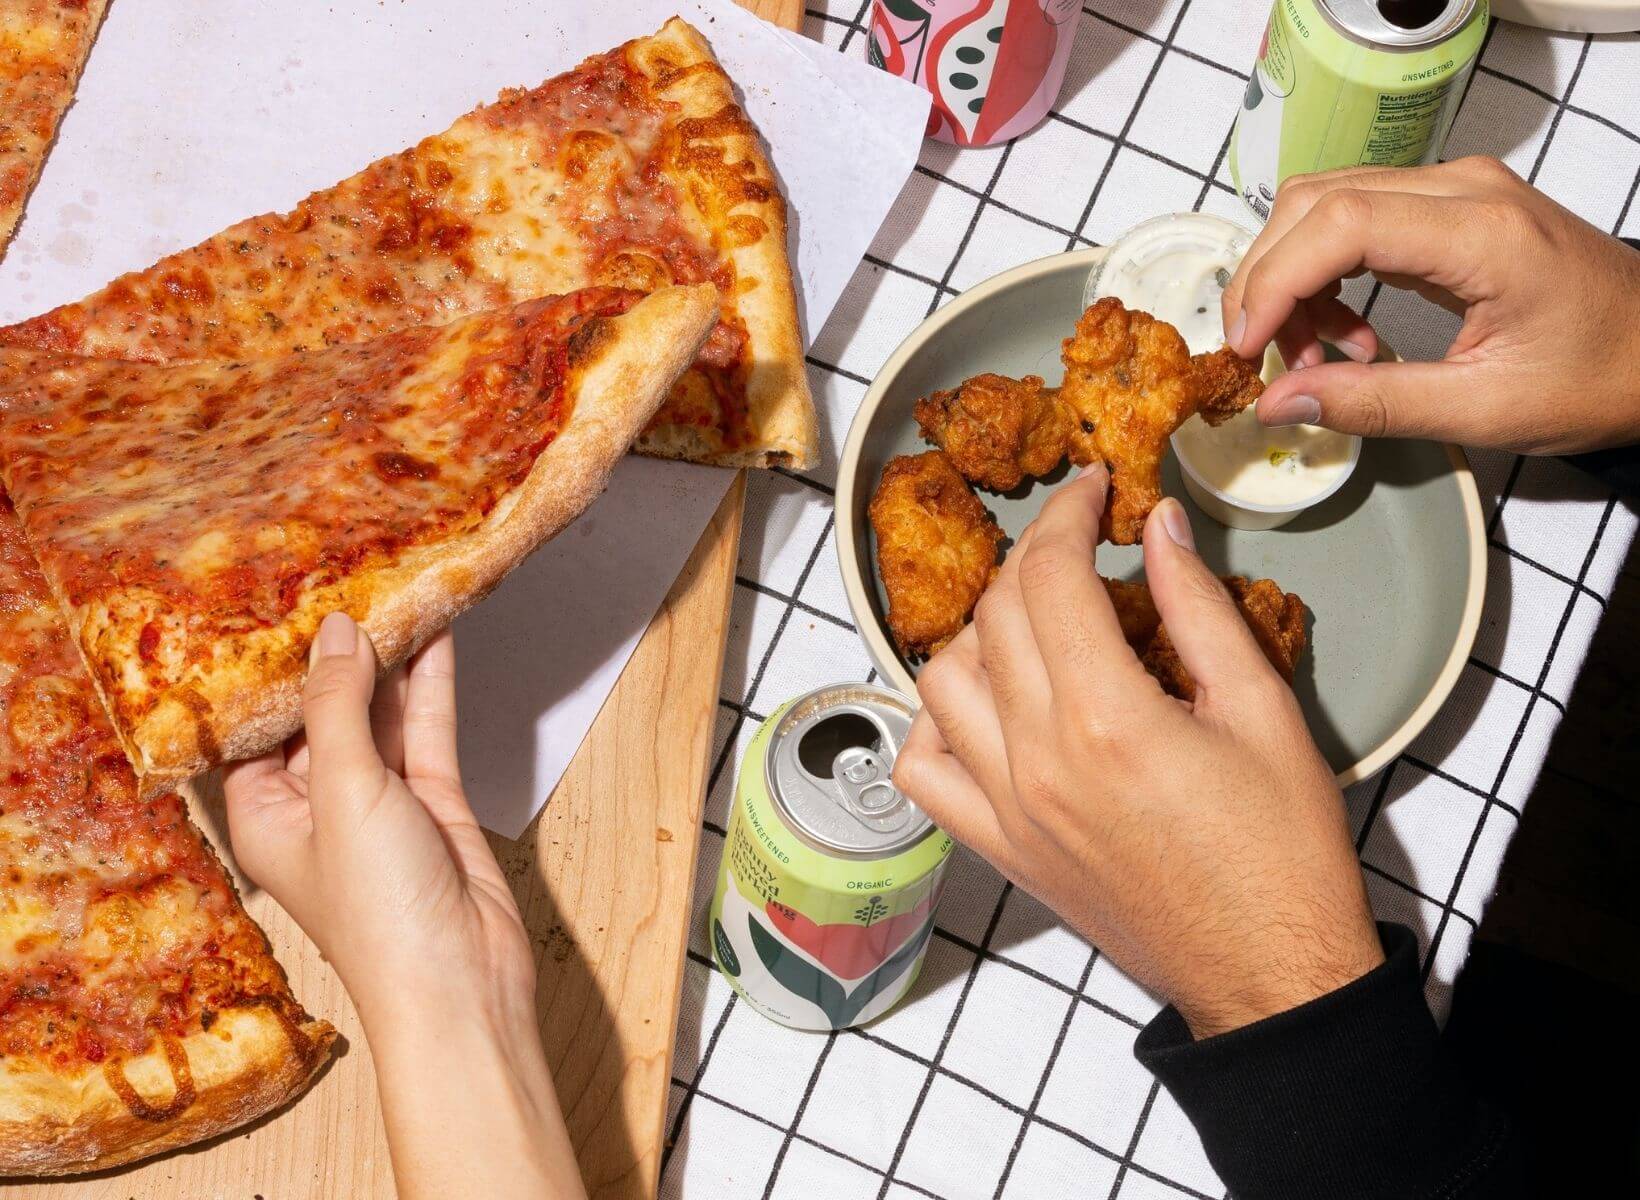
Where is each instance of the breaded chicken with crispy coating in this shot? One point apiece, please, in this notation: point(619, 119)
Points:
point(998, 430)
point(936, 549)
point(1275, 617)
point(1130, 381)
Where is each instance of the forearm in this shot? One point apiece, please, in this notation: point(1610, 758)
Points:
point(468, 1103)
point(1349, 1096)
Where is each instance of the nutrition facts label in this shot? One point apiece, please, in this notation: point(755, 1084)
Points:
point(1404, 126)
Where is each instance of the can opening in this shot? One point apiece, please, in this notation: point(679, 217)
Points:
point(1411, 14)
point(822, 743)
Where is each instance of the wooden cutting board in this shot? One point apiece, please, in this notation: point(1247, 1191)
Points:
point(603, 877)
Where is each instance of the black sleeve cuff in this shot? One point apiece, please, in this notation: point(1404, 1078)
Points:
point(1348, 1097)
point(1618, 469)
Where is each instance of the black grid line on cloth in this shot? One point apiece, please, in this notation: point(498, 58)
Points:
point(1064, 1131)
point(1156, 41)
point(945, 1040)
point(797, 1117)
point(1514, 743)
point(693, 1086)
point(938, 1068)
point(1127, 1164)
point(1047, 1074)
point(1422, 895)
point(802, 606)
point(1121, 139)
point(1155, 155)
point(1480, 664)
point(944, 285)
point(717, 771)
point(1003, 206)
point(1628, 203)
point(1575, 584)
point(1213, 172)
point(998, 957)
point(1560, 109)
point(1562, 101)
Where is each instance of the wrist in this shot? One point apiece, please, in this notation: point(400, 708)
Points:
point(1279, 979)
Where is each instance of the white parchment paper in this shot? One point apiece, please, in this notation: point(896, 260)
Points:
point(192, 116)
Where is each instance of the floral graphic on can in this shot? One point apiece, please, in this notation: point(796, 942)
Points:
point(994, 67)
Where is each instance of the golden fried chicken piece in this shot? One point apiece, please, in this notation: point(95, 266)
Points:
point(936, 549)
point(1130, 382)
point(1275, 617)
point(998, 430)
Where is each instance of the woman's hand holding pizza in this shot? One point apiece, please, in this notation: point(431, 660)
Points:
point(362, 831)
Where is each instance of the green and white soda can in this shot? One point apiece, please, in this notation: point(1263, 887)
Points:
point(1345, 83)
point(825, 898)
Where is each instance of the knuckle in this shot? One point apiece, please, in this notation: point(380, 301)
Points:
point(934, 682)
point(1372, 411)
point(1344, 208)
point(1044, 564)
point(1489, 170)
point(331, 681)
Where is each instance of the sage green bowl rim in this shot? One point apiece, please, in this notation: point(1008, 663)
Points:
point(851, 516)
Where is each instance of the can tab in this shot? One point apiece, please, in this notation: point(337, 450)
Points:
point(862, 778)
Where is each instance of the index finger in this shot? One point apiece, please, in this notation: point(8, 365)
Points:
point(1070, 612)
point(430, 713)
point(1299, 195)
point(1346, 231)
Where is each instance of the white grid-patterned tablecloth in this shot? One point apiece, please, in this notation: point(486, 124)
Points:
point(1009, 1071)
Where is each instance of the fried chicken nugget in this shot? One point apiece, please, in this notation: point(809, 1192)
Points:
point(936, 549)
point(1130, 381)
point(1275, 617)
point(998, 430)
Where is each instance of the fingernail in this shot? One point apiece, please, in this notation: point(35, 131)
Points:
point(1237, 328)
point(1291, 410)
point(1094, 468)
point(1176, 523)
point(338, 636)
point(1355, 351)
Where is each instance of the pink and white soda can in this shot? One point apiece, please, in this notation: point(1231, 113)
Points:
point(993, 66)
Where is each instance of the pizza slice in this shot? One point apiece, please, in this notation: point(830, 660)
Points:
point(140, 1008)
point(636, 169)
point(43, 47)
point(196, 521)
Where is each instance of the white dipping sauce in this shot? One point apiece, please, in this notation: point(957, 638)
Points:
point(1176, 268)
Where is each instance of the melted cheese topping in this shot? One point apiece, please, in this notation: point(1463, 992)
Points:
point(179, 505)
point(592, 178)
point(117, 924)
point(43, 44)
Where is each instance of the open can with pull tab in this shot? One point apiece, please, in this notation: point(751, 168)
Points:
point(826, 894)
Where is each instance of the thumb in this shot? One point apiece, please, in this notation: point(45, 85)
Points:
point(1387, 399)
point(1203, 622)
point(343, 763)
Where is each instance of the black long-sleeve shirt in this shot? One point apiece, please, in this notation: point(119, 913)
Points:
point(1348, 1097)
point(1353, 1096)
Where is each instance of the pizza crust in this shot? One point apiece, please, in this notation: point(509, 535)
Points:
point(783, 429)
point(246, 1065)
point(251, 709)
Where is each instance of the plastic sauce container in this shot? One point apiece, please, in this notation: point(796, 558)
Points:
point(1239, 473)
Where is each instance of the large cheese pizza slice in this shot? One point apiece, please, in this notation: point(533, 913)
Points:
point(636, 169)
point(43, 46)
point(196, 521)
point(140, 1009)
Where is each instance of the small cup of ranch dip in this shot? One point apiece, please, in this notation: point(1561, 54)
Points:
point(1248, 476)
point(1240, 473)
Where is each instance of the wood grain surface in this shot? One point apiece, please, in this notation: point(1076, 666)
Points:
point(603, 877)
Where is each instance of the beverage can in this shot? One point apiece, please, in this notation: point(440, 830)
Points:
point(825, 897)
point(1344, 83)
point(993, 66)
